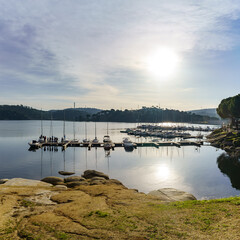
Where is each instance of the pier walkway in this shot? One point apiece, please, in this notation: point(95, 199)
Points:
point(90, 145)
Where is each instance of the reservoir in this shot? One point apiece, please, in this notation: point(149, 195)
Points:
point(204, 171)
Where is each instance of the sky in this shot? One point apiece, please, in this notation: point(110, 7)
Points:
point(179, 54)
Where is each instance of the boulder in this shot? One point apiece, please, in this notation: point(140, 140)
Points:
point(74, 179)
point(115, 181)
point(98, 182)
point(172, 194)
point(98, 178)
point(61, 187)
point(77, 184)
point(65, 173)
point(2, 181)
point(53, 180)
point(93, 173)
point(42, 197)
point(26, 182)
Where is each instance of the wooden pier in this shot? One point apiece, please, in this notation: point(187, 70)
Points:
point(90, 145)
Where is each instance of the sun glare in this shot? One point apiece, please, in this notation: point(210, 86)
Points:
point(162, 172)
point(163, 62)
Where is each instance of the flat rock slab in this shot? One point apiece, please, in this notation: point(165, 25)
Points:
point(53, 180)
point(74, 179)
point(2, 181)
point(26, 182)
point(172, 194)
point(65, 173)
point(93, 173)
point(42, 198)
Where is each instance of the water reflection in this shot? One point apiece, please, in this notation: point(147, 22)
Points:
point(230, 166)
point(162, 172)
point(145, 168)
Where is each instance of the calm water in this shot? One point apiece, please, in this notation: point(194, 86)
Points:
point(204, 172)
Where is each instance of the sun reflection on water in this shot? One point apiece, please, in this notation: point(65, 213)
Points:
point(162, 172)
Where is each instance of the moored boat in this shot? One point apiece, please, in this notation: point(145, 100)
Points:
point(34, 144)
point(127, 143)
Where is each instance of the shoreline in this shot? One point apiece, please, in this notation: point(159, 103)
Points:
point(92, 206)
point(227, 140)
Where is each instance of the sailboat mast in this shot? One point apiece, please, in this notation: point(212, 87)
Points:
point(95, 131)
point(64, 125)
point(51, 127)
point(41, 124)
point(85, 130)
point(74, 124)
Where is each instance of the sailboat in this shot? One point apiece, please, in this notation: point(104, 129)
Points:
point(95, 140)
point(107, 142)
point(85, 140)
point(34, 144)
point(52, 139)
point(42, 138)
point(74, 141)
point(64, 139)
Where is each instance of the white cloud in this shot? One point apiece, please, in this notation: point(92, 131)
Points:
point(87, 40)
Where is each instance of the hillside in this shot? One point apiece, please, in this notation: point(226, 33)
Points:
point(20, 112)
point(146, 114)
point(211, 112)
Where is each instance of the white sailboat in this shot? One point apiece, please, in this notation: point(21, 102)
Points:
point(42, 138)
point(74, 141)
point(127, 143)
point(107, 142)
point(52, 139)
point(64, 139)
point(95, 140)
point(85, 140)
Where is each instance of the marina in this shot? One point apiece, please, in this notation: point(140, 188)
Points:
point(162, 134)
point(112, 145)
point(154, 162)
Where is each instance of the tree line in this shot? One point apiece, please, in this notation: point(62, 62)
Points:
point(229, 108)
point(145, 114)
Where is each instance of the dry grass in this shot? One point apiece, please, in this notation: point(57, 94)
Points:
point(113, 212)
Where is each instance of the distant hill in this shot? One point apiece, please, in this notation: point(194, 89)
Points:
point(146, 114)
point(20, 112)
point(90, 111)
point(210, 112)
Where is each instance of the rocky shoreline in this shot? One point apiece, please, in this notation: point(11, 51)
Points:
point(226, 139)
point(93, 206)
point(91, 178)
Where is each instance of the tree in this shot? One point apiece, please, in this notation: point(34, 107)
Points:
point(230, 108)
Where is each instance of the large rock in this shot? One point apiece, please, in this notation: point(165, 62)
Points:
point(93, 173)
point(2, 181)
point(53, 180)
point(65, 173)
point(74, 179)
point(172, 194)
point(41, 197)
point(98, 182)
point(115, 181)
point(26, 182)
point(77, 184)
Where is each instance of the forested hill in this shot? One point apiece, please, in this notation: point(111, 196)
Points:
point(152, 114)
point(20, 112)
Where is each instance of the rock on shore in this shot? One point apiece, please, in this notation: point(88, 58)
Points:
point(91, 206)
point(228, 140)
point(172, 194)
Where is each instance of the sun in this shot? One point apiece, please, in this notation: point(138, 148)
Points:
point(163, 62)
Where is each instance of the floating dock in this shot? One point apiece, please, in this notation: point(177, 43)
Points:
point(90, 145)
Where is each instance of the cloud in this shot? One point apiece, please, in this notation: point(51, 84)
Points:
point(90, 49)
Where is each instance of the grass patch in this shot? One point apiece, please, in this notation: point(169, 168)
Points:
point(98, 213)
point(26, 203)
